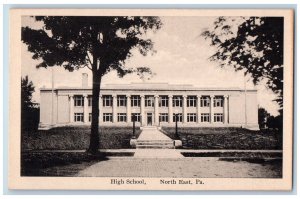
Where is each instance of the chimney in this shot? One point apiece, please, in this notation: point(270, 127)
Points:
point(84, 80)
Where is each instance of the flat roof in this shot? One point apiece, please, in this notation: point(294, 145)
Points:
point(152, 86)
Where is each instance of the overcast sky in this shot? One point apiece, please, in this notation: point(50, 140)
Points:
point(181, 58)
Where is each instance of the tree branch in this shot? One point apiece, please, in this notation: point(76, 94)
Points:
point(88, 58)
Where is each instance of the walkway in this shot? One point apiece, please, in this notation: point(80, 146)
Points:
point(204, 167)
point(154, 144)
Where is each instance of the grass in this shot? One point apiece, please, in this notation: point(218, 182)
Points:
point(77, 138)
point(226, 138)
point(39, 164)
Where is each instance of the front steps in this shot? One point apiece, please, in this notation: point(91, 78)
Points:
point(152, 138)
point(155, 144)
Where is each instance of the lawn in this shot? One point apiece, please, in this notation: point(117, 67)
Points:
point(75, 138)
point(226, 138)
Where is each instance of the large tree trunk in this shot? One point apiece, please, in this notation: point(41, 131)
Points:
point(94, 137)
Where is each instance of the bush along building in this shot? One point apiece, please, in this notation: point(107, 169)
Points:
point(152, 104)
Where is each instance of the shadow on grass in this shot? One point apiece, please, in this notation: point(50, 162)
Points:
point(57, 163)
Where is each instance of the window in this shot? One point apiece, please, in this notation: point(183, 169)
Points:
point(205, 101)
point(191, 117)
point(121, 100)
point(107, 100)
point(149, 101)
point(177, 101)
point(90, 100)
point(163, 101)
point(78, 117)
point(107, 117)
point(137, 117)
point(218, 101)
point(135, 101)
point(205, 117)
point(90, 117)
point(191, 101)
point(163, 117)
point(121, 117)
point(218, 117)
point(179, 117)
point(78, 100)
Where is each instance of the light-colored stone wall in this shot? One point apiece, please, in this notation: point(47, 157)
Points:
point(233, 112)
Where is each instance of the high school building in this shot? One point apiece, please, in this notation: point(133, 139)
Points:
point(152, 104)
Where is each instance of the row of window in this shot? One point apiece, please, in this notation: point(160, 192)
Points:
point(163, 101)
point(163, 117)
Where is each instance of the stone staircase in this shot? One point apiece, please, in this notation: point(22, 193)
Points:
point(152, 138)
point(155, 144)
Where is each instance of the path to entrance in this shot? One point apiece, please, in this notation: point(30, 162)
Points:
point(153, 135)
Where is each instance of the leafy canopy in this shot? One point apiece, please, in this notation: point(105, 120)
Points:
point(100, 43)
point(27, 89)
point(255, 46)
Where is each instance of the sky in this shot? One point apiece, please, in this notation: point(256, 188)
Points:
point(182, 57)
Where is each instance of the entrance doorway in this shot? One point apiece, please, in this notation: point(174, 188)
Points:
point(149, 119)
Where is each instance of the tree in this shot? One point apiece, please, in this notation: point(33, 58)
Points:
point(100, 43)
point(29, 112)
point(253, 44)
point(263, 116)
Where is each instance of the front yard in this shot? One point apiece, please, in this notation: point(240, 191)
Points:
point(226, 138)
point(77, 138)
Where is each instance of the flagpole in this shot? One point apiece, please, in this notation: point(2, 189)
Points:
point(52, 95)
point(245, 92)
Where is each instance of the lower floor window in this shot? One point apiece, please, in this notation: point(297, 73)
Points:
point(179, 117)
point(163, 117)
point(78, 117)
point(136, 117)
point(218, 117)
point(205, 117)
point(191, 117)
point(121, 117)
point(90, 117)
point(107, 117)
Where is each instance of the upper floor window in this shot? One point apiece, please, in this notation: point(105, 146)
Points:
point(78, 100)
point(107, 100)
point(177, 101)
point(205, 101)
point(163, 101)
point(218, 101)
point(149, 101)
point(135, 101)
point(121, 100)
point(191, 101)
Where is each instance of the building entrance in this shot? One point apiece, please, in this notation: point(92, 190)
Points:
point(149, 119)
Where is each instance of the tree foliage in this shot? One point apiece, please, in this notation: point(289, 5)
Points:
point(74, 42)
point(29, 112)
point(100, 43)
point(255, 46)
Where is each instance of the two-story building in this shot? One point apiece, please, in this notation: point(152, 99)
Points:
point(157, 104)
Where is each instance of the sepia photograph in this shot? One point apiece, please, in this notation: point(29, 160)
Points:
point(151, 99)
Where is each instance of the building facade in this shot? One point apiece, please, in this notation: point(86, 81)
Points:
point(151, 104)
